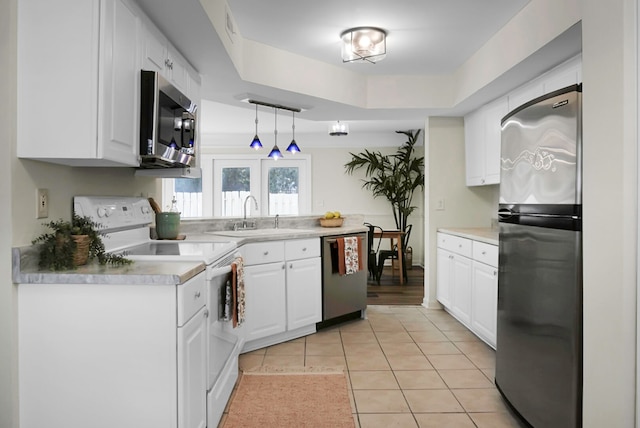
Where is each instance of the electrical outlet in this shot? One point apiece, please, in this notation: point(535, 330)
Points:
point(42, 203)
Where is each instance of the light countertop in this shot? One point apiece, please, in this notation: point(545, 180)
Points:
point(482, 234)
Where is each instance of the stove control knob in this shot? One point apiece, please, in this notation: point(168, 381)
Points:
point(145, 209)
point(102, 212)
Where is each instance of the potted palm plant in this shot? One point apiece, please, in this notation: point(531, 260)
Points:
point(73, 243)
point(395, 177)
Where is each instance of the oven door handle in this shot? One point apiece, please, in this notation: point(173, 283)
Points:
point(219, 271)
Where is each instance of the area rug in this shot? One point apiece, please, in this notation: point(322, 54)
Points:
point(282, 397)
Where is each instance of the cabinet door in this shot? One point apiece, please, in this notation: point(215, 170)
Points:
point(443, 272)
point(265, 300)
point(178, 74)
point(493, 114)
point(304, 292)
point(192, 372)
point(485, 301)
point(474, 147)
point(461, 284)
point(155, 49)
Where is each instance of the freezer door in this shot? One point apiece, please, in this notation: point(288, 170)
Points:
point(540, 161)
point(539, 333)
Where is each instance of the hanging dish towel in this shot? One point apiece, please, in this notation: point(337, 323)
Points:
point(237, 269)
point(349, 255)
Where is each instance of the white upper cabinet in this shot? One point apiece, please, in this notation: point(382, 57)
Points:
point(482, 143)
point(78, 82)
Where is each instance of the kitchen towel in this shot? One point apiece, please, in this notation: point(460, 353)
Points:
point(349, 255)
point(237, 269)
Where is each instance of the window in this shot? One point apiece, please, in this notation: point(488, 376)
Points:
point(280, 187)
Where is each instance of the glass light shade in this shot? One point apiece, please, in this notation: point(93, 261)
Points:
point(256, 143)
point(293, 147)
point(364, 44)
point(338, 129)
point(275, 153)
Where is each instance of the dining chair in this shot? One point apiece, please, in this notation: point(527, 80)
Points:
point(372, 253)
point(392, 254)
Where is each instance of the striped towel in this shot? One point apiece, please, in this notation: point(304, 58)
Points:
point(237, 270)
point(349, 255)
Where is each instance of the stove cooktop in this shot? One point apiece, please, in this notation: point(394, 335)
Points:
point(207, 252)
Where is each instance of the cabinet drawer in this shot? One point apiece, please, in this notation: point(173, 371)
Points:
point(191, 297)
point(455, 244)
point(302, 248)
point(485, 253)
point(263, 252)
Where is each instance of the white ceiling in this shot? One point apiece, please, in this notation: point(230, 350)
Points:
point(425, 37)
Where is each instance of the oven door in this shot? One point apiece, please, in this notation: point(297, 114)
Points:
point(224, 345)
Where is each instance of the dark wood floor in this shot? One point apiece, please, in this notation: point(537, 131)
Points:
point(390, 292)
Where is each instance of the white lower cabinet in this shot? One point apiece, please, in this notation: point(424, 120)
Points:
point(467, 283)
point(265, 300)
point(192, 369)
point(304, 292)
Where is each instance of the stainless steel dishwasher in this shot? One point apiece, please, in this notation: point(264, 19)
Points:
point(342, 294)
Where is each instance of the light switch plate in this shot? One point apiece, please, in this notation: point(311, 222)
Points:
point(42, 203)
point(440, 205)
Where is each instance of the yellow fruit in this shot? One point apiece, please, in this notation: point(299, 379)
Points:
point(328, 214)
point(336, 214)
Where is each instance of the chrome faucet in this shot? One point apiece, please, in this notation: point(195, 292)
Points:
point(277, 218)
point(244, 218)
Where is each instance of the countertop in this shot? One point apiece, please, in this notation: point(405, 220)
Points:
point(25, 270)
point(482, 234)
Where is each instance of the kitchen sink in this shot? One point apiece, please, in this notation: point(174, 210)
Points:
point(259, 232)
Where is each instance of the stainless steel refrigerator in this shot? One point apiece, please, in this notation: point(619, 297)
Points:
point(539, 326)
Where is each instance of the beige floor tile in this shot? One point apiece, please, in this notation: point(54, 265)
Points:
point(444, 420)
point(409, 362)
point(460, 379)
point(389, 420)
point(438, 348)
point(393, 337)
point(324, 349)
point(356, 423)
point(419, 326)
point(475, 346)
point(338, 362)
point(432, 401)
point(362, 348)
point(490, 374)
point(358, 337)
point(389, 326)
point(428, 336)
point(419, 379)
point(249, 361)
point(367, 362)
point(283, 360)
point(480, 400)
point(401, 348)
point(495, 420)
point(357, 325)
point(380, 379)
point(287, 348)
point(482, 360)
point(380, 401)
point(444, 362)
point(325, 337)
point(461, 336)
point(260, 351)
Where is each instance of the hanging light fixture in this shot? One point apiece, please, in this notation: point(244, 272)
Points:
point(256, 144)
point(275, 153)
point(364, 44)
point(293, 146)
point(338, 129)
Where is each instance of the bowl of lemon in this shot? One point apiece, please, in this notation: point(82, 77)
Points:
point(331, 219)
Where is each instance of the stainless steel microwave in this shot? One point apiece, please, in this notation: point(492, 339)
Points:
point(167, 124)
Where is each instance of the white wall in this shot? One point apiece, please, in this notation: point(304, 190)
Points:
point(464, 206)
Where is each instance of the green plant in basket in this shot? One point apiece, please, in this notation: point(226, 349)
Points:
point(71, 244)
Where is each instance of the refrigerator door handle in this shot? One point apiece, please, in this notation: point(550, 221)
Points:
point(505, 213)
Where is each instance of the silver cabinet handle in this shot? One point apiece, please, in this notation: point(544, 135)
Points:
point(290, 265)
point(484, 252)
point(266, 253)
point(206, 313)
point(304, 249)
point(495, 273)
point(196, 295)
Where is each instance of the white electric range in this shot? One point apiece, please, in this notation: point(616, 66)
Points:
point(126, 222)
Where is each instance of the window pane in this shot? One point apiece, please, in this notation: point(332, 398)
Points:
point(235, 188)
point(283, 190)
point(188, 193)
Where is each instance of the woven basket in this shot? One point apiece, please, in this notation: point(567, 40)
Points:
point(81, 253)
point(331, 222)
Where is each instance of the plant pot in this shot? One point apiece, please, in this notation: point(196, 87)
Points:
point(81, 253)
point(167, 225)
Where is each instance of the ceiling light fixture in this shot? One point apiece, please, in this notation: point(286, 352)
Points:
point(364, 44)
point(256, 144)
point(275, 153)
point(338, 129)
point(293, 147)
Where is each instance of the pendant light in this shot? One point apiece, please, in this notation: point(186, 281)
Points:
point(275, 153)
point(293, 147)
point(256, 144)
